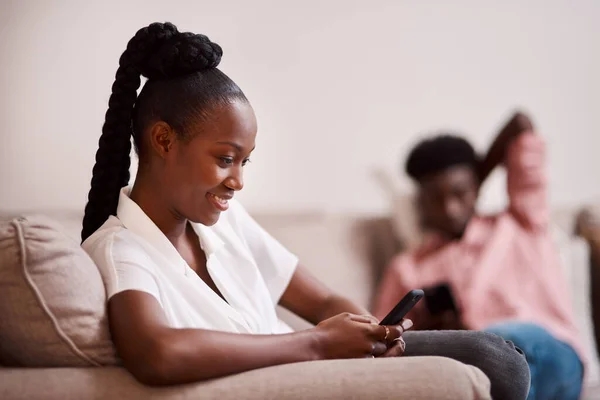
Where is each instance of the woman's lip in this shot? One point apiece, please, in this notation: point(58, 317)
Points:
point(220, 203)
point(222, 196)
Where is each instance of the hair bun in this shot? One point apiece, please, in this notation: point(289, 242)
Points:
point(164, 52)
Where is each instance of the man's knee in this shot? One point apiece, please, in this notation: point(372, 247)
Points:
point(491, 342)
point(504, 365)
point(498, 354)
point(497, 347)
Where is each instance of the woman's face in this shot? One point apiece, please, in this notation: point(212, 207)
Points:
point(202, 174)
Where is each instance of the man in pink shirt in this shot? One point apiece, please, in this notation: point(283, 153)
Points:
point(500, 273)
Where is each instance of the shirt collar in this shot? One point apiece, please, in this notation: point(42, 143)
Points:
point(210, 242)
point(136, 220)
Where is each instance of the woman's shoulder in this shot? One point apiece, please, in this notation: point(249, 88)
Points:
point(122, 260)
point(112, 241)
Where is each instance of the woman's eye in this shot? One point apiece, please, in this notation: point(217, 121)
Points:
point(227, 160)
point(246, 161)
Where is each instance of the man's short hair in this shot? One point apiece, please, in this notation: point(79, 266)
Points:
point(439, 153)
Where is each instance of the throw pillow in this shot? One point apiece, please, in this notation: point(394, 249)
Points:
point(52, 299)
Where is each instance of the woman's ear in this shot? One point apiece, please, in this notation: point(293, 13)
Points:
point(162, 138)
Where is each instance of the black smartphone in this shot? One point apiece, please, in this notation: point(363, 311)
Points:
point(403, 307)
point(439, 299)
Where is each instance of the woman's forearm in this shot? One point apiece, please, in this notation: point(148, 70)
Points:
point(336, 305)
point(310, 299)
point(190, 355)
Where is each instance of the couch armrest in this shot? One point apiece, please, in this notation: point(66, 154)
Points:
point(381, 379)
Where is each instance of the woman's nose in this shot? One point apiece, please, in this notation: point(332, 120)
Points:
point(235, 181)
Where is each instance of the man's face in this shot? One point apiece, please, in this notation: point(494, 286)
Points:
point(447, 200)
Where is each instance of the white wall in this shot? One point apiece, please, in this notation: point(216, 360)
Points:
point(339, 87)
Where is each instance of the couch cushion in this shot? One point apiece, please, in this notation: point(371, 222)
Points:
point(574, 253)
point(418, 378)
point(52, 299)
point(587, 225)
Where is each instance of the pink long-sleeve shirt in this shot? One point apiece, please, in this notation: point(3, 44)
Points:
point(505, 267)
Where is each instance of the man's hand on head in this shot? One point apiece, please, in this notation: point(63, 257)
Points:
point(519, 123)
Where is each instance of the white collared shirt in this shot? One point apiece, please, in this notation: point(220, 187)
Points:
point(249, 267)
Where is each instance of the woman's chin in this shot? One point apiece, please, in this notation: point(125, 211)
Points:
point(206, 218)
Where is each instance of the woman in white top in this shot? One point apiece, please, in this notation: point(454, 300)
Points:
point(192, 279)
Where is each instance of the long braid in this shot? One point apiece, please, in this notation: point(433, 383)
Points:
point(111, 171)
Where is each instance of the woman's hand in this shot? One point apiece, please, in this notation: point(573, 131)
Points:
point(354, 336)
point(397, 346)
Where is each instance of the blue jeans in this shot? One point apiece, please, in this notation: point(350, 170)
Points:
point(556, 370)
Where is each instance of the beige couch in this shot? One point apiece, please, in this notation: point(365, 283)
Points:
point(347, 253)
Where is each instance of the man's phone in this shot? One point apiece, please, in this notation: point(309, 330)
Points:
point(403, 307)
point(439, 299)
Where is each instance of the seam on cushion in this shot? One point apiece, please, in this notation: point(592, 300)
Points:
point(41, 302)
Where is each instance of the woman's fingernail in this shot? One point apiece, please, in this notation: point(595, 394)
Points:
point(407, 324)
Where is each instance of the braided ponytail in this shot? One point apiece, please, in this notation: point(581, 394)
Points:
point(167, 58)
